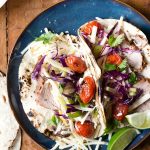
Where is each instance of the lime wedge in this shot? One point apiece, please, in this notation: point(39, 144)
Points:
point(122, 138)
point(140, 120)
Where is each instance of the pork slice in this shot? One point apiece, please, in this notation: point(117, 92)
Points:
point(134, 58)
point(145, 86)
point(44, 97)
point(146, 71)
point(143, 107)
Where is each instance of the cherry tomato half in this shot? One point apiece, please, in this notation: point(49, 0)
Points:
point(76, 64)
point(88, 28)
point(87, 90)
point(114, 59)
point(86, 129)
point(120, 111)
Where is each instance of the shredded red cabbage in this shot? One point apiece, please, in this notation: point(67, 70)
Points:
point(118, 87)
point(127, 50)
point(53, 73)
point(71, 108)
point(131, 100)
point(100, 33)
point(37, 68)
point(107, 49)
point(112, 30)
point(63, 62)
point(114, 74)
point(62, 115)
point(61, 59)
point(69, 78)
point(57, 77)
point(87, 40)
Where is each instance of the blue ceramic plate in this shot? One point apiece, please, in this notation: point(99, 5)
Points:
point(68, 15)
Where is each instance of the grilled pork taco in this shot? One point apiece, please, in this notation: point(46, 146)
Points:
point(123, 54)
point(59, 90)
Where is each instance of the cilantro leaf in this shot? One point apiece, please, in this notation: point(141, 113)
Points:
point(123, 65)
point(77, 99)
point(109, 67)
point(53, 121)
point(46, 37)
point(61, 88)
point(132, 78)
point(111, 125)
point(74, 114)
point(113, 42)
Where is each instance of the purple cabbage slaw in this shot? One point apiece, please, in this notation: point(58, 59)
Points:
point(60, 115)
point(61, 59)
point(37, 68)
point(119, 84)
point(112, 30)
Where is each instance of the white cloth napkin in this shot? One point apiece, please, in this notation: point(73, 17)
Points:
point(2, 2)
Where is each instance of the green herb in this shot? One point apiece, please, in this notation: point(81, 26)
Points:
point(69, 101)
point(111, 125)
point(74, 114)
point(96, 51)
point(132, 78)
point(109, 67)
point(53, 121)
point(123, 65)
point(61, 88)
point(95, 113)
point(77, 99)
point(46, 37)
point(113, 42)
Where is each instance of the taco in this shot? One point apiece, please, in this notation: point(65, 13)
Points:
point(123, 54)
point(59, 90)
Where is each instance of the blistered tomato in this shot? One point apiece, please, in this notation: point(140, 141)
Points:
point(120, 111)
point(76, 64)
point(87, 90)
point(86, 129)
point(114, 59)
point(88, 28)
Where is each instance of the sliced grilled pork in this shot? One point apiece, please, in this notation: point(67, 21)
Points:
point(146, 71)
point(133, 55)
point(145, 86)
point(44, 97)
point(144, 107)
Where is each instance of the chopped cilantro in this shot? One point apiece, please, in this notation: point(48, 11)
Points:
point(132, 78)
point(113, 42)
point(111, 125)
point(46, 37)
point(123, 65)
point(77, 99)
point(61, 88)
point(110, 67)
point(74, 114)
point(95, 113)
point(53, 121)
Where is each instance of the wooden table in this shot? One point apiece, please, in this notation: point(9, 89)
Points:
point(16, 14)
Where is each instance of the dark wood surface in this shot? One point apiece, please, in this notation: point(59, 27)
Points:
point(16, 14)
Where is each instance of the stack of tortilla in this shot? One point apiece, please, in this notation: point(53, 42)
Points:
point(10, 133)
point(2, 2)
